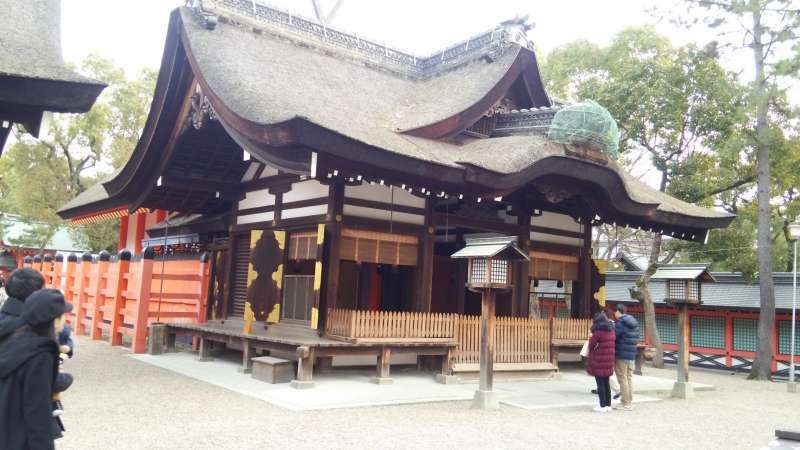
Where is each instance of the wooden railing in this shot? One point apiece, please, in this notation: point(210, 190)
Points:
point(571, 329)
point(122, 296)
point(361, 326)
point(516, 340)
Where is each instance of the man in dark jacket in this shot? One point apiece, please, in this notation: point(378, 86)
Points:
point(28, 369)
point(627, 331)
point(19, 286)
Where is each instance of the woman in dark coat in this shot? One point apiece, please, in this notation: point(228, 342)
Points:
point(28, 370)
point(601, 358)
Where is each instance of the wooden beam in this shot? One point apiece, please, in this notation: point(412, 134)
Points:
point(225, 188)
point(461, 277)
point(333, 237)
point(424, 269)
point(520, 297)
point(556, 232)
point(141, 218)
point(585, 273)
point(268, 182)
point(479, 224)
point(486, 382)
point(384, 206)
point(123, 230)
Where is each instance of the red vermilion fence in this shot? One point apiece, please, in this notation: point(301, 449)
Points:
point(123, 295)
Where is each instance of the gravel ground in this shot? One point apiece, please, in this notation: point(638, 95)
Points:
point(120, 403)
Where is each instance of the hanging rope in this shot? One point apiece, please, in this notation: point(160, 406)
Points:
point(391, 209)
point(163, 264)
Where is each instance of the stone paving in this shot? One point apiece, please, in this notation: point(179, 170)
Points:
point(351, 388)
point(118, 402)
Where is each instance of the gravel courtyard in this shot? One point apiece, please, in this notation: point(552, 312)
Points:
point(120, 403)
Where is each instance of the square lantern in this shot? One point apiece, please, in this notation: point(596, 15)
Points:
point(490, 261)
point(683, 289)
point(683, 282)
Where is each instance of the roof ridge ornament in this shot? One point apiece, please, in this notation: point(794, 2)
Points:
point(490, 42)
point(207, 19)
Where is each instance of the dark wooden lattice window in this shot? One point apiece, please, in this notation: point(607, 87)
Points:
point(241, 262)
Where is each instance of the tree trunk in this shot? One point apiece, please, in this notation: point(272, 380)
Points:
point(762, 366)
point(642, 294)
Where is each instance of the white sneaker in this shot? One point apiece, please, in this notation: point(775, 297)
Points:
point(600, 409)
point(608, 409)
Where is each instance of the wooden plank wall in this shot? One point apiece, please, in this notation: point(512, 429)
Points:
point(517, 339)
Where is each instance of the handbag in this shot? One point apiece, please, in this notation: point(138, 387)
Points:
point(585, 349)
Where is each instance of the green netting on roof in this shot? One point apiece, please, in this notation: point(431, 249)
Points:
point(588, 124)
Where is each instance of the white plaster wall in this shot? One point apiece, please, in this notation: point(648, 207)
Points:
point(383, 214)
point(557, 221)
point(252, 218)
point(250, 172)
point(378, 193)
point(305, 190)
point(556, 239)
point(269, 171)
point(256, 199)
point(304, 212)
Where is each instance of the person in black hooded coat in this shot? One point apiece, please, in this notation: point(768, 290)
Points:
point(28, 370)
point(19, 286)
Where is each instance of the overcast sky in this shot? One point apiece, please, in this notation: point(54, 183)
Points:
point(132, 32)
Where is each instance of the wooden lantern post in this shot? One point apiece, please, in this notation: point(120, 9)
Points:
point(683, 289)
point(489, 270)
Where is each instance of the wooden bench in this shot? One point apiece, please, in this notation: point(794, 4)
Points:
point(272, 370)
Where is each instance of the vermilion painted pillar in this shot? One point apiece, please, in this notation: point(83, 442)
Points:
point(140, 222)
point(160, 215)
point(123, 232)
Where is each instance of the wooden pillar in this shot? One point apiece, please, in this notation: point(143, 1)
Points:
point(69, 285)
point(318, 314)
point(140, 223)
point(47, 271)
point(83, 283)
point(425, 260)
point(520, 300)
point(143, 301)
point(334, 238)
point(584, 309)
point(485, 397)
point(461, 277)
point(123, 232)
point(305, 368)
point(683, 342)
point(119, 285)
point(204, 299)
point(728, 339)
point(382, 368)
point(98, 292)
point(247, 357)
point(682, 388)
point(58, 273)
point(204, 350)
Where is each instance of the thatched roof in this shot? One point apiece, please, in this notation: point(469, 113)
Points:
point(278, 82)
point(32, 70)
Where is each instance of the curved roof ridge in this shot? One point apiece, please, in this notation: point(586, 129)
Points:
point(310, 32)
